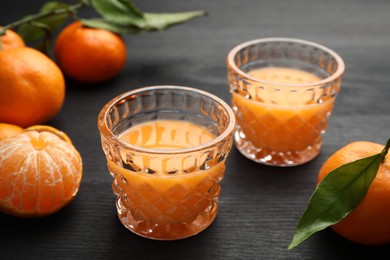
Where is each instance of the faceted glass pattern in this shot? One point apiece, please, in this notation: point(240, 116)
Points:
point(282, 124)
point(155, 200)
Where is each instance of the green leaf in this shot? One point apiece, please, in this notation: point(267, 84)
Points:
point(31, 33)
point(107, 25)
point(44, 46)
point(161, 21)
point(121, 12)
point(336, 196)
point(56, 20)
point(124, 13)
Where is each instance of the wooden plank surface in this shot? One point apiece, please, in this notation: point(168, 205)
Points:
point(260, 205)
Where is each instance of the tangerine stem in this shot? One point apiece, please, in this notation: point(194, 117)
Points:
point(385, 151)
point(71, 9)
point(48, 35)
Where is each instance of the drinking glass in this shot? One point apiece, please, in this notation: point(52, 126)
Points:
point(283, 110)
point(166, 194)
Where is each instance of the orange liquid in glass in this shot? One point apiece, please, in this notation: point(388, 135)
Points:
point(276, 122)
point(167, 206)
point(167, 134)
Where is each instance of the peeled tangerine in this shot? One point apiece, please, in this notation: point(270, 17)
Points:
point(40, 172)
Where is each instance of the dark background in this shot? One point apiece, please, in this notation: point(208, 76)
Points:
point(260, 205)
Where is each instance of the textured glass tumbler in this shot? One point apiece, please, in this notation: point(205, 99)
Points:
point(282, 115)
point(166, 194)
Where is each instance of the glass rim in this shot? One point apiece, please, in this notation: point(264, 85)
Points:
point(107, 133)
point(334, 76)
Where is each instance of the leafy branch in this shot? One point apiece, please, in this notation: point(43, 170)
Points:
point(119, 16)
point(44, 13)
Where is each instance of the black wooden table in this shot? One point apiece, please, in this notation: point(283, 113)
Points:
point(260, 205)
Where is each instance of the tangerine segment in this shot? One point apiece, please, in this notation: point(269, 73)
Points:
point(369, 222)
point(39, 174)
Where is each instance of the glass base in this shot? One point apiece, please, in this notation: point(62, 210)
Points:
point(166, 231)
point(168, 209)
point(275, 158)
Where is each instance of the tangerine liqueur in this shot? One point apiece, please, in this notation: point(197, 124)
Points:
point(176, 198)
point(279, 123)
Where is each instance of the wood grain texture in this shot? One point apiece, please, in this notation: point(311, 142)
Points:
point(259, 206)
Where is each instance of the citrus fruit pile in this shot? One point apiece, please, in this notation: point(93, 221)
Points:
point(40, 169)
point(33, 86)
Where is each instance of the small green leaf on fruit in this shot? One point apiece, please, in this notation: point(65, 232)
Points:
point(336, 196)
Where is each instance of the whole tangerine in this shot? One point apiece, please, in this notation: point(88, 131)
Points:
point(369, 222)
point(8, 130)
point(32, 87)
point(40, 172)
point(88, 54)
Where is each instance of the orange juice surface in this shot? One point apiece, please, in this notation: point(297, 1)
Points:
point(167, 134)
point(178, 197)
point(278, 122)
